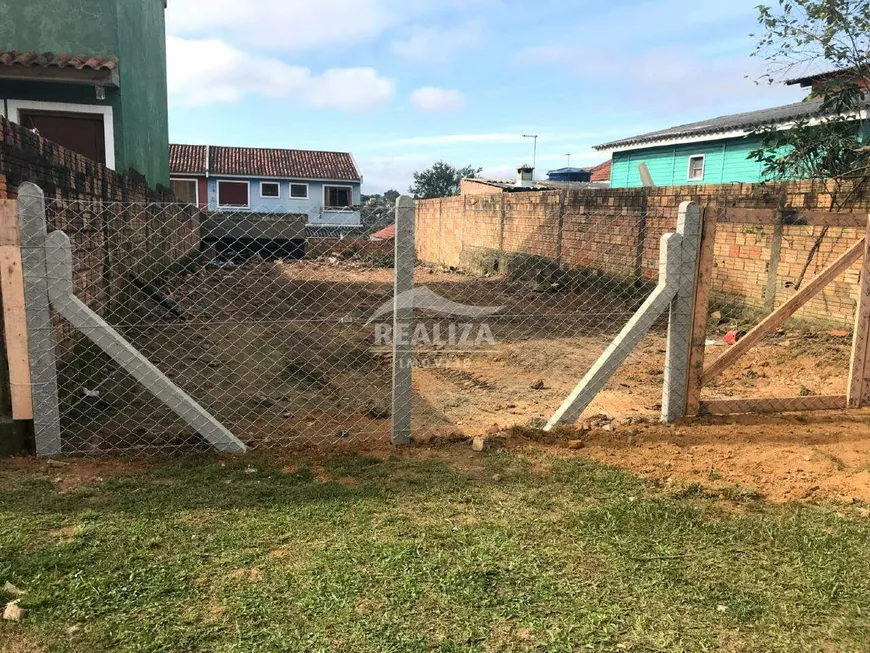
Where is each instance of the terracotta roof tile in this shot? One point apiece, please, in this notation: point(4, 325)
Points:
point(187, 159)
point(387, 233)
point(51, 60)
point(262, 162)
point(601, 172)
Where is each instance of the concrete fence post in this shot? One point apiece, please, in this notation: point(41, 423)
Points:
point(676, 379)
point(403, 314)
point(40, 333)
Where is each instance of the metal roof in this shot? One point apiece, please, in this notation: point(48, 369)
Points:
point(745, 122)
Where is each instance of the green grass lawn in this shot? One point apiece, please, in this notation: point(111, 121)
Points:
point(448, 552)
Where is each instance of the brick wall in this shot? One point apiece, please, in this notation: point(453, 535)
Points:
point(62, 174)
point(119, 227)
point(617, 232)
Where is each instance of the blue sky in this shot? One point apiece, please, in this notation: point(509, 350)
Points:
point(403, 83)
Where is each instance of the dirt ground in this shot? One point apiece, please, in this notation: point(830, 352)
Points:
point(814, 456)
point(792, 457)
point(282, 354)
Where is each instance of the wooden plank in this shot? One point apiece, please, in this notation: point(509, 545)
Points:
point(770, 217)
point(676, 378)
point(859, 368)
point(772, 405)
point(9, 223)
point(780, 315)
point(632, 333)
point(15, 331)
point(701, 309)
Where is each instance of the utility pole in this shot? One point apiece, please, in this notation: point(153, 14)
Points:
point(569, 159)
point(535, 154)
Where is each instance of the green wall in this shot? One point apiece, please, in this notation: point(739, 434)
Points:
point(133, 31)
point(725, 162)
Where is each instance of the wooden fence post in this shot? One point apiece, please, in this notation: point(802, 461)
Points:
point(403, 314)
point(859, 369)
point(14, 316)
point(676, 379)
point(700, 309)
point(40, 342)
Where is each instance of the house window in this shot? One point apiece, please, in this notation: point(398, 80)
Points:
point(185, 190)
point(299, 191)
point(270, 189)
point(696, 167)
point(233, 194)
point(337, 197)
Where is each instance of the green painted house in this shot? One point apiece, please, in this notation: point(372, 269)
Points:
point(91, 76)
point(707, 152)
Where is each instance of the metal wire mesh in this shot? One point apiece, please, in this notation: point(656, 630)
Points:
point(560, 282)
point(258, 320)
point(284, 332)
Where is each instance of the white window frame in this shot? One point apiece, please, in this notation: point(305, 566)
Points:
point(337, 208)
point(298, 183)
point(703, 158)
point(195, 185)
point(269, 197)
point(231, 206)
point(14, 106)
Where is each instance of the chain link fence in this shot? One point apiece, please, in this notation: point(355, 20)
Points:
point(257, 319)
point(285, 333)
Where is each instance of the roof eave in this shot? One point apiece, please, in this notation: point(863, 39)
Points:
point(107, 78)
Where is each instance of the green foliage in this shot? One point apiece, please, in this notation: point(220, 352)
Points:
point(502, 552)
point(810, 35)
point(441, 180)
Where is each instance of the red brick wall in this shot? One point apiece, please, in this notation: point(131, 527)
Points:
point(63, 174)
point(612, 230)
point(117, 224)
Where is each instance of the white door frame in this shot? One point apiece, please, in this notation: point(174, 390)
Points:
point(14, 106)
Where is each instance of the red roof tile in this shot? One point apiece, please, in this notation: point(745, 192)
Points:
point(387, 233)
point(601, 172)
point(187, 159)
point(51, 60)
point(262, 162)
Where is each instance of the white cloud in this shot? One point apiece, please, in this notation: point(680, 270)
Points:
point(203, 72)
point(298, 25)
point(283, 25)
point(437, 100)
point(453, 139)
point(437, 44)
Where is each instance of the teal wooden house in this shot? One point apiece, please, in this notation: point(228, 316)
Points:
point(712, 151)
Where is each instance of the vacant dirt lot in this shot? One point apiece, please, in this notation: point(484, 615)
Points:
point(282, 354)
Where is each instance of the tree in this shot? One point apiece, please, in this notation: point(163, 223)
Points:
point(833, 35)
point(441, 180)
